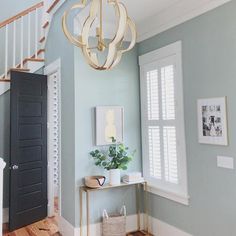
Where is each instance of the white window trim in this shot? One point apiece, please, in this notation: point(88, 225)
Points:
point(174, 50)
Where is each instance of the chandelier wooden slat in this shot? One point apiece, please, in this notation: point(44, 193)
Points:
point(114, 46)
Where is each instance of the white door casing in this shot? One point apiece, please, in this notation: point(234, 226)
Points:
point(54, 134)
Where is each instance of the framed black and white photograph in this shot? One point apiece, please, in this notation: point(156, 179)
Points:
point(109, 124)
point(212, 121)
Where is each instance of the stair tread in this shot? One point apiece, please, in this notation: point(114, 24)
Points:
point(5, 80)
point(34, 59)
point(18, 69)
point(40, 51)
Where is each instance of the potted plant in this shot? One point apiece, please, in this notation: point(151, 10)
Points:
point(114, 159)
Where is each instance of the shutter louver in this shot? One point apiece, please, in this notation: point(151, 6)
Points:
point(152, 95)
point(169, 133)
point(154, 152)
point(168, 93)
point(170, 155)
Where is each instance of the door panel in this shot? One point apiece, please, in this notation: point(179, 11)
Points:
point(28, 162)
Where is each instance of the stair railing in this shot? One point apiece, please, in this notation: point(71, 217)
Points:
point(21, 31)
point(51, 4)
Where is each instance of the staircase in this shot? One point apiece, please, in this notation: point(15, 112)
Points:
point(23, 38)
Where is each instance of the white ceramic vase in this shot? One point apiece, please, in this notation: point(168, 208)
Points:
point(114, 177)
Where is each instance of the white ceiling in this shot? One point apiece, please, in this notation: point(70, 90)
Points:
point(153, 16)
point(140, 10)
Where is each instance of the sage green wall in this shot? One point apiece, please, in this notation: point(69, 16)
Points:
point(58, 47)
point(209, 70)
point(119, 86)
point(10, 8)
point(82, 89)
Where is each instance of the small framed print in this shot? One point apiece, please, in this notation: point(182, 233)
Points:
point(109, 124)
point(212, 121)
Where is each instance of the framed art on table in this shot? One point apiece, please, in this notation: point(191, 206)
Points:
point(109, 124)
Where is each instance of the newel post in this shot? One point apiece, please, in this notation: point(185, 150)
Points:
point(2, 166)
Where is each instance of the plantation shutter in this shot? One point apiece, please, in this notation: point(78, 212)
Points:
point(160, 102)
point(163, 138)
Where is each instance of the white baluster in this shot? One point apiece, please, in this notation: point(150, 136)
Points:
point(2, 166)
point(6, 52)
point(14, 44)
point(29, 38)
point(36, 33)
point(22, 42)
point(46, 5)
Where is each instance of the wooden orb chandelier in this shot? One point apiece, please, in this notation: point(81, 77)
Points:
point(113, 47)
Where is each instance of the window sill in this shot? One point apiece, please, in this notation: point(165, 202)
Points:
point(180, 198)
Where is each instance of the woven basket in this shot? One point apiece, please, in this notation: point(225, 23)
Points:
point(114, 225)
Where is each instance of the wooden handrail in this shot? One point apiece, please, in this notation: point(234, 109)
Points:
point(23, 13)
point(52, 6)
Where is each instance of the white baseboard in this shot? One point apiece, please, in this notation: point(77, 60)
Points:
point(5, 217)
point(95, 229)
point(65, 228)
point(157, 228)
point(160, 228)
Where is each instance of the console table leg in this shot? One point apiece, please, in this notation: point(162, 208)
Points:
point(146, 207)
point(88, 211)
point(138, 206)
point(81, 211)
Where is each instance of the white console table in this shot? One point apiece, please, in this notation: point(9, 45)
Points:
point(2, 166)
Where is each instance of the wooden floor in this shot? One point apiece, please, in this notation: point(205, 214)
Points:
point(139, 233)
point(47, 227)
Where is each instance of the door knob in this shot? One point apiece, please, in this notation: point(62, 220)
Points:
point(14, 167)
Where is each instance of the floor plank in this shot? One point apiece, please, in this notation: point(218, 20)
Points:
point(139, 233)
point(47, 227)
